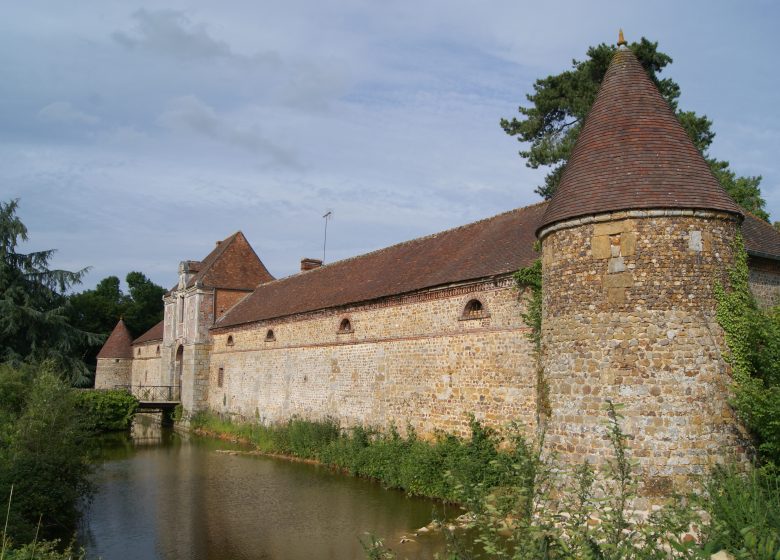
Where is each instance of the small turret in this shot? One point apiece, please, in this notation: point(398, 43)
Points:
point(114, 361)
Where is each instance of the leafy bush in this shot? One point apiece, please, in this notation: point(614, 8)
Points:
point(42, 453)
point(745, 510)
point(106, 411)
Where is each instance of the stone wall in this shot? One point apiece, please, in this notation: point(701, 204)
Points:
point(147, 367)
point(765, 280)
point(413, 359)
point(111, 372)
point(629, 316)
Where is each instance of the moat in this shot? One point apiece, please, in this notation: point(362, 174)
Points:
point(165, 495)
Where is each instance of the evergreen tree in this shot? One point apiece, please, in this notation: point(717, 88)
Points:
point(34, 324)
point(560, 103)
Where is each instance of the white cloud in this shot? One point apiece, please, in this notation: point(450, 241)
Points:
point(64, 113)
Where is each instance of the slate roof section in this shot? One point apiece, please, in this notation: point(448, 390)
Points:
point(153, 334)
point(761, 239)
point(118, 344)
point(232, 265)
point(489, 247)
point(633, 153)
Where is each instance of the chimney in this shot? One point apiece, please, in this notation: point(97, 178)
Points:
point(310, 264)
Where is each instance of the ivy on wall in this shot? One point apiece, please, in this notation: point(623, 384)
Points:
point(530, 278)
point(753, 341)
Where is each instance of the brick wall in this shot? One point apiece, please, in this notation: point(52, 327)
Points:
point(406, 360)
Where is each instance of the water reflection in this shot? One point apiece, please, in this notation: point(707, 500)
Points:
point(164, 495)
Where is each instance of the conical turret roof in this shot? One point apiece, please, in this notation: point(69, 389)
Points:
point(119, 343)
point(633, 153)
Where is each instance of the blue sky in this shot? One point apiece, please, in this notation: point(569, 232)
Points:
point(136, 134)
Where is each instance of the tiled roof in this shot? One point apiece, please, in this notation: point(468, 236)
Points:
point(761, 239)
point(486, 248)
point(232, 264)
point(118, 344)
point(155, 333)
point(633, 153)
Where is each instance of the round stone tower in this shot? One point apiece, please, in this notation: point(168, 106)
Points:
point(633, 242)
point(115, 359)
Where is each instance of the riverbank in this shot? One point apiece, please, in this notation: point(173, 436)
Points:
point(520, 502)
point(432, 469)
point(161, 494)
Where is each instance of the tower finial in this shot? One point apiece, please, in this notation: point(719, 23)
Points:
point(621, 40)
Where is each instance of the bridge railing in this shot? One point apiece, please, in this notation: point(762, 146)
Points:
point(153, 393)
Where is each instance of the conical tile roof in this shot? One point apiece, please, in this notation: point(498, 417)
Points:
point(119, 343)
point(633, 153)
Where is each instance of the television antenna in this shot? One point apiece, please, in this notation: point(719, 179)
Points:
point(328, 216)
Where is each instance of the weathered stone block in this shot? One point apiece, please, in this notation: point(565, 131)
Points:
point(600, 247)
point(619, 280)
point(616, 295)
point(616, 264)
point(628, 244)
point(612, 228)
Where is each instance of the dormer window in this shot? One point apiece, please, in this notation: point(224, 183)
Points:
point(269, 336)
point(474, 310)
point(230, 340)
point(345, 326)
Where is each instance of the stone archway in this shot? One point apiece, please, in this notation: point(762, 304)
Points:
point(178, 368)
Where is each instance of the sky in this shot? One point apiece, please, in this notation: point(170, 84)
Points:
point(137, 134)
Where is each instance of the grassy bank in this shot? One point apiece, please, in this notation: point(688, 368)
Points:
point(423, 468)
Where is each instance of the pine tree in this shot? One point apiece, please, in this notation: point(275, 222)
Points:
point(33, 321)
point(558, 107)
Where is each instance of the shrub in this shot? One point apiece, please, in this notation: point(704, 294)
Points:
point(106, 411)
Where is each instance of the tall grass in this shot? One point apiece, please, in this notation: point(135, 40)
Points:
point(424, 468)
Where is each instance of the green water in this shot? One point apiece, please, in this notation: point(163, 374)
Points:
point(165, 495)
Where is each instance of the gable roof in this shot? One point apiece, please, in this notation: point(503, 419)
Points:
point(232, 264)
point(490, 247)
point(155, 333)
point(633, 153)
point(761, 238)
point(118, 344)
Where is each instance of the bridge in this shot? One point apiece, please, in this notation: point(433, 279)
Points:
point(154, 397)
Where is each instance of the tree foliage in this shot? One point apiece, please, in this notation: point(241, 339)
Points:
point(98, 310)
point(42, 452)
point(34, 325)
point(557, 108)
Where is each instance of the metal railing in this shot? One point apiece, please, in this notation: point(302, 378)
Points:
point(153, 393)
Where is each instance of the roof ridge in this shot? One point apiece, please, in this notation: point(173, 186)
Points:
point(401, 243)
point(344, 262)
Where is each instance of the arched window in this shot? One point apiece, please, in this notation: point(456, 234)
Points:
point(345, 326)
point(220, 377)
point(158, 350)
point(474, 310)
point(138, 353)
point(230, 340)
point(269, 336)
